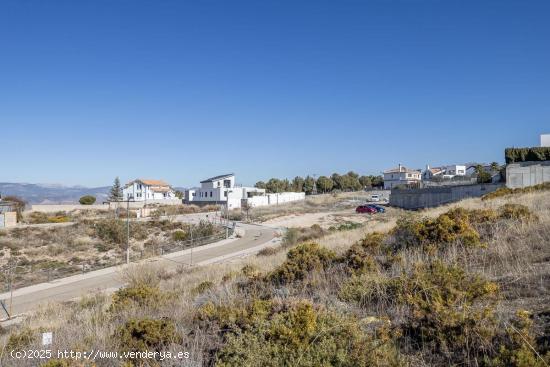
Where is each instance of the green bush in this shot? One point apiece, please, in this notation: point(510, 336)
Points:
point(21, 339)
point(87, 200)
point(360, 256)
point(347, 226)
point(179, 235)
point(534, 154)
point(516, 349)
point(447, 228)
point(146, 334)
point(450, 311)
point(370, 289)
point(302, 260)
point(140, 295)
point(115, 231)
point(203, 287)
point(265, 333)
point(294, 236)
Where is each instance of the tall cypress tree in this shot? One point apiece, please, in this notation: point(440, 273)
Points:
point(116, 191)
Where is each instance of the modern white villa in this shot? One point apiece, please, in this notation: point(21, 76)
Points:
point(401, 176)
point(221, 190)
point(145, 190)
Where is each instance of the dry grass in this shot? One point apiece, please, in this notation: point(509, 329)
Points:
point(312, 204)
point(517, 258)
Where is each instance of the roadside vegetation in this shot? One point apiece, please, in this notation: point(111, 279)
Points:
point(466, 284)
point(43, 253)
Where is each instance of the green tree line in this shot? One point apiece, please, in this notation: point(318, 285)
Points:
point(350, 181)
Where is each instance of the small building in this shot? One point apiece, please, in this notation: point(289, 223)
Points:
point(431, 173)
point(445, 172)
point(148, 190)
point(455, 170)
point(401, 176)
point(8, 214)
point(221, 190)
point(545, 140)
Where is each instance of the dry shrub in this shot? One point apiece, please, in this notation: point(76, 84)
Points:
point(300, 261)
point(517, 347)
point(139, 295)
point(269, 251)
point(268, 333)
point(450, 311)
point(505, 191)
point(517, 212)
point(146, 334)
point(294, 236)
point(21, 339)
point(203, 287)
point(360, 257)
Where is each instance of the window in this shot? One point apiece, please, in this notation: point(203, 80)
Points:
point(219, 183)
point(225, 193)
point(210, 193)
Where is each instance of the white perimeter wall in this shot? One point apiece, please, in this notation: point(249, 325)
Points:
point(274, 199)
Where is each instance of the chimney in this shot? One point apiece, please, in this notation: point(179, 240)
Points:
point(400, 166)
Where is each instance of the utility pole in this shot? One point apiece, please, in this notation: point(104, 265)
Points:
point(128, 229)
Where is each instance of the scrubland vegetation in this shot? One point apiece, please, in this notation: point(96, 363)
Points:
point(43, 253)
point(463, 285)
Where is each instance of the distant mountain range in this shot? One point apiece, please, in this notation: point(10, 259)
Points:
point(52, 194)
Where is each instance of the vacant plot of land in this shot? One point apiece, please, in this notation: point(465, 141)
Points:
point(312, 204)
point(466, 284)
point(42, 253)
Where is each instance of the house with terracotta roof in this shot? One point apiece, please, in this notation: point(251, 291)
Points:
point(400, 176)
point(143, 190)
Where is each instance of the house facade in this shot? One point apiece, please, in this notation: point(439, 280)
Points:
point(144, 190)
point(401, 176)
point(221, 190)
point(445, 172)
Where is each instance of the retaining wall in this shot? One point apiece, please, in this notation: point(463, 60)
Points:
point(524, 174)
point(435, 196)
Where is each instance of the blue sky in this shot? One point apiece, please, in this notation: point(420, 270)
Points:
point(183, 90)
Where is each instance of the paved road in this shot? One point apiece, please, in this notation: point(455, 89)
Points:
point(29, 298)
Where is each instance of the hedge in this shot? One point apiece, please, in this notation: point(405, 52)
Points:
point(535, 154)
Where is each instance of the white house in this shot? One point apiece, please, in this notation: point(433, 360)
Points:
point(401, 176)
point(432, 172)
point(455, 170)
point(545, 140)
point(144, 190)
point(221, 190)
point(446, 172)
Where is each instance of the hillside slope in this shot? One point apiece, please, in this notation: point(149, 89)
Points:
point(466, 284)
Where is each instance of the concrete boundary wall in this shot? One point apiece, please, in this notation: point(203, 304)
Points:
point(414, 199)
point(525, 174)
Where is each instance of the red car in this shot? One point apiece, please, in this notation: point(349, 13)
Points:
point(365, 209)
